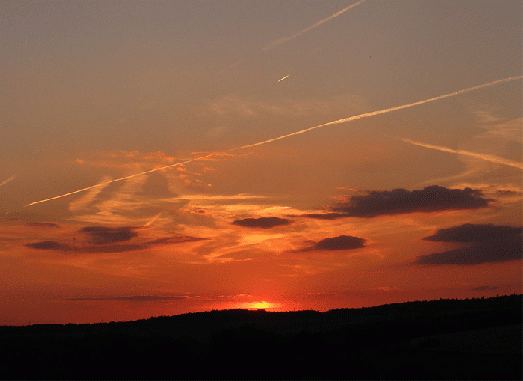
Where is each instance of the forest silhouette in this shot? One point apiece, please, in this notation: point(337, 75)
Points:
point(475, 338)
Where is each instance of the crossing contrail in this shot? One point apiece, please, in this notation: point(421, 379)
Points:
point(384, 111)
point(339, 121)
point(292, 37)
point(487, 157)
point(103, 184)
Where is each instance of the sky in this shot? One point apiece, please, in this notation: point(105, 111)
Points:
point(164, 157)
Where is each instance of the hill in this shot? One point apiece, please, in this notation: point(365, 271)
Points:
point(440, 339)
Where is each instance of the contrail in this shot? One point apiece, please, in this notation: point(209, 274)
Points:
point(292, 37)
point(491, 158)
point(153, 219)
point(121, 179)
point(8, 180)
point(281, 79)
point(385, 111)
point(339, 121)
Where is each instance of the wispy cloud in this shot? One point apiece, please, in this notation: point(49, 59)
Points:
point(232, 104)
point(384, 111)
point(510, 130)
point(339, 121)
point(487, 157)
point(292, 37)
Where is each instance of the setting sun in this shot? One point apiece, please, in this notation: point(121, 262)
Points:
point(260, 305)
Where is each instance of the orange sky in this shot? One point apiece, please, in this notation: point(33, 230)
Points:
point(170, 130)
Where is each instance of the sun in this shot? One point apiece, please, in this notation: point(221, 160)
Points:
point(261, 305)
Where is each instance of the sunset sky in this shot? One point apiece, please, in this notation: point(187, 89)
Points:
point(164, 116)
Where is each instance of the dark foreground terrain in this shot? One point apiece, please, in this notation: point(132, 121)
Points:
point(441, 339)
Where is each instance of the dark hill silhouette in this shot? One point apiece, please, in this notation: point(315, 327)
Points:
point(413, 340)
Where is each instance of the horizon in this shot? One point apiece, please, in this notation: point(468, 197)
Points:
point(265, 310)
point(162, 158)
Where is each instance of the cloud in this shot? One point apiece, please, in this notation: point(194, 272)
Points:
point(342, 242)
point(263, 222)
point(42, 224)
point(249, 108)
point(401, 201)
point(324, 216)
point(506, 193)
point(484, 244)
point(510, 130)
point(78, 249)
point(48, 245)
point(476, 233)
point(137, 298)
point(485, 288)
point(156, 186)
point(103, 239)
point(102, 235)
point(174, 240)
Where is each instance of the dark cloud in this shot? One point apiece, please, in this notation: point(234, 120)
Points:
point(325, 216)
point(113, 247)
point(42, 224)
point(174, 240)
point(401, 201)
point(477, 233)
point(48, 245)
point(342, 242)
point(484, 244)
point(156, 186)
point(485, 288)
point(54, 245)
point(102, 235)
point(503, 193)
point(138, 298)
point(263, 222)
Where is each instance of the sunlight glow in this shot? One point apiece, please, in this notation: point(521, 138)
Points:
point(260, 305)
